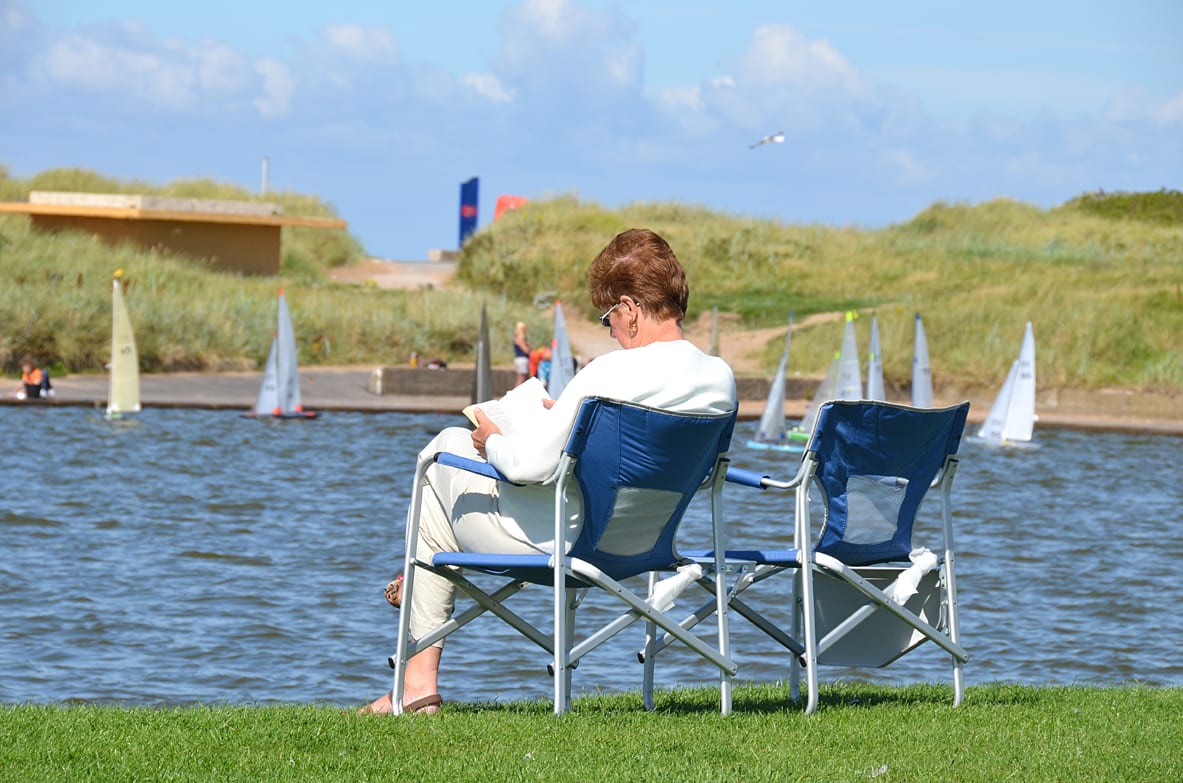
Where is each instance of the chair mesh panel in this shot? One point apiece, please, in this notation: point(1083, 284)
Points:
point(876, 464)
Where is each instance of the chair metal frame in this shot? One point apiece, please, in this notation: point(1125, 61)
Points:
point(582, 566)
point(852, 591)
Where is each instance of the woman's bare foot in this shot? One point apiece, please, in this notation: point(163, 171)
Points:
point(383, 705)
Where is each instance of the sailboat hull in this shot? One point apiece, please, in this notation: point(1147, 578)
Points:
point(292, 415)
point(786, 445)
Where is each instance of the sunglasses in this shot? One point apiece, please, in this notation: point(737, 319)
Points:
point(604, 318)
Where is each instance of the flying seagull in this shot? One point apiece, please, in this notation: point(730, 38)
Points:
point(775, 138)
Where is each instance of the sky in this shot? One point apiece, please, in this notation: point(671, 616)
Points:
point(383, 108)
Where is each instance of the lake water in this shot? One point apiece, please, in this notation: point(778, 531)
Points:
point(193, 556)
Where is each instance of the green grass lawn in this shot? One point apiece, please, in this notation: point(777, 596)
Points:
point(861, 732)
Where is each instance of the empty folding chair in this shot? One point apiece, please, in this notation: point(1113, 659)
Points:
point(635, 470)
point(866, 596)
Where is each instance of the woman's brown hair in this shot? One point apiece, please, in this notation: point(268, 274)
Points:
point(640, 264)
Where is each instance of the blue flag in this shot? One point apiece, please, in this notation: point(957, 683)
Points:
point(468, 208)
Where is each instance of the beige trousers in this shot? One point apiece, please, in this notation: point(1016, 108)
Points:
point(462, 511)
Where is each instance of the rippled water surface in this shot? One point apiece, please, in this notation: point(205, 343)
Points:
point(194, 556)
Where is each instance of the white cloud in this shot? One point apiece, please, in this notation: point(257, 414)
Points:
point(365, 44)
point(682, 98)
point(1137, 106)
point(1170, 112)
point(220, 68)
point(128, 61)
point(908, 171)
point(779, 56)
point(91, 65)
point(14, 19)
point(489, 86)
point(278, 86)
point(560, 50)
point(784, 80)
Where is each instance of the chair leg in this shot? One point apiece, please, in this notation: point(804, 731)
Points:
point(404, 615)
point(649, 654)
point(563, 641)
point(725, 679)
point(953, 625)
point(810, 628)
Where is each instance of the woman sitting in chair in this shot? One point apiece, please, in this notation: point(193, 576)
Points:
point(641, 287)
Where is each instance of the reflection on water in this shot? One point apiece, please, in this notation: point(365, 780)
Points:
point(194, 556)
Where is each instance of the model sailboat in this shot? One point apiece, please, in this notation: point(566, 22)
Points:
point(824, 393)
point(849, 385)
point(482, 382)
point(921, 368)
point(771, 432)
point(1012, 416)
point(843, 381)
point(279, 394)
point(562, 363)
point(123, 394)
point(875, 365)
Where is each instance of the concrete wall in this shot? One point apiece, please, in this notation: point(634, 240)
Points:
point(452, 382)
point(458, 381)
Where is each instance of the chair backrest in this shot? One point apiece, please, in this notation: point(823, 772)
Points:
point(875, 462)
point(637, 469)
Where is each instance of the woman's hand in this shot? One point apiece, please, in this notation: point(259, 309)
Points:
point(485, 428)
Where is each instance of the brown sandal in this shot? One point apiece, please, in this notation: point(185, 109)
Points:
point(423, 705)
point(394, 592)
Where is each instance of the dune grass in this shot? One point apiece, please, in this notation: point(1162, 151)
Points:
point(861, 732)
point(1101, 279)
point(55, 304)
point(1104, 292)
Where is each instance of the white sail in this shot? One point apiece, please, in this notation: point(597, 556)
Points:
point(123, 395)
point(267, 403)
point(995, 422)
point(287, 372)
point(849, 385)
point(824, 394)
point(1020, 417)
point(772, 420)
point(279, 394)
point(562, 364)
point(1012, 416)
point(875, 365)
point(921, 368)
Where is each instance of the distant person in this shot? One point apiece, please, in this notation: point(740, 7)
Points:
point(34, 382)
point(540, 364)
point(521, 353)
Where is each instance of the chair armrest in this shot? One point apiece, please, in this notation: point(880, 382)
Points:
point(471, 465)
point(747, 478)
point(750, 478)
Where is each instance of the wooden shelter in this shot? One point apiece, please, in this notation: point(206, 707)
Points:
point(242, 236)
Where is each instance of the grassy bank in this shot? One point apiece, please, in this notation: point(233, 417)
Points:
point(862, 732)
point(55, 303)
point(1100, 277)
point(1104, 291)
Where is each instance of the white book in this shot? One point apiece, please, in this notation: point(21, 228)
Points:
point(513, 411)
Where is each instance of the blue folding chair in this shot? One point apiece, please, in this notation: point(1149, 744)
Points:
point(636, 470)
point(862, 596)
